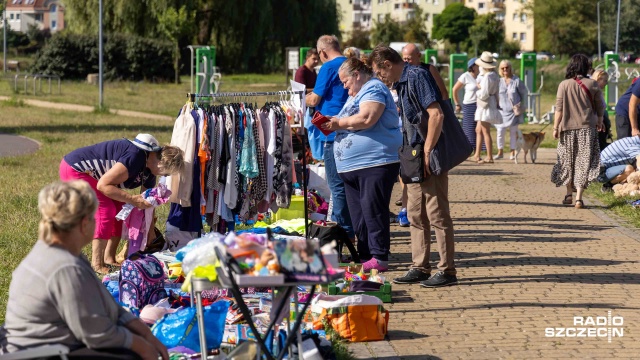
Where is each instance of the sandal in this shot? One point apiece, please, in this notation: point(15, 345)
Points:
point(102, 271)
point(488, 161)
point(579, 204)
point(568, 199)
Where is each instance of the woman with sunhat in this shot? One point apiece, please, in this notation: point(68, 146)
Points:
point(110, 167)
point(469, 81)
point(488, 101)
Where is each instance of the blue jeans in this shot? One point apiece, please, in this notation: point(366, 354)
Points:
point(340, 213)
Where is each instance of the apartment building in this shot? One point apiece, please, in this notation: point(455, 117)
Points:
point(518, 25)
point(362, 13)
point(46, 14)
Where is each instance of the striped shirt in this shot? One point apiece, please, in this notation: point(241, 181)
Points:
point(621, 152)
point(96, 160)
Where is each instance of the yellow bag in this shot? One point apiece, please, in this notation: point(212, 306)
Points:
point(355, 318)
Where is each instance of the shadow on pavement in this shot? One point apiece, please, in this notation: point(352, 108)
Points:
point(404, 334)
point(524, 304)
point(581, 278)
point(500, 202)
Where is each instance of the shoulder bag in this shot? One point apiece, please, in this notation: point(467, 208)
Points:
point(452, 147)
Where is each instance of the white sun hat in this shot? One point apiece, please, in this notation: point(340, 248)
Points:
point(486, 61)
point(146, 142)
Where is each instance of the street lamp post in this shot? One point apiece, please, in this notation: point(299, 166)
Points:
point(599, 42)
point(100, 84)
point(4, 41)
point(618, 28)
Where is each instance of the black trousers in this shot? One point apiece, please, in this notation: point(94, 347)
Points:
point(623, 126)
point(368, 194)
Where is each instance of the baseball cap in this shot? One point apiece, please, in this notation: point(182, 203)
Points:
point(146, 142)
point(471, 62)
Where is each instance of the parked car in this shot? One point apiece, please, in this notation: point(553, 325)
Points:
point(519, 54)
point(544, 56)
point(629, 58)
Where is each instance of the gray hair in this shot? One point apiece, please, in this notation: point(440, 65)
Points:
point(328, 42)
point(353, 64)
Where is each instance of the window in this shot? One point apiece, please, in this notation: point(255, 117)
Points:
point(38, 17)
point(53, 8)
point(515, 16)
point(396, 6)
point(426, 16)
point(17, 16)
point(10, 16)
point(523, 18)
point(523, 36)
point(53, 24)
point(480, 5)
point(515, 36)
point(380, 17)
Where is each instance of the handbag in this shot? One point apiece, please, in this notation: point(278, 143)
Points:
point(332, 231)
point(517, 108)
point(452, 147)
point(411, 162)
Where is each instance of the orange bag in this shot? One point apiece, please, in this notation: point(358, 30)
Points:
point(355, 318)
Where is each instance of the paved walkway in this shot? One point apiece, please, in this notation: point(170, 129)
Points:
point(525, 263)
point(86, 108)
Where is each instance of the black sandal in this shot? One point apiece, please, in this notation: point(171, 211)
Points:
point(568, 199)
point(579, 204)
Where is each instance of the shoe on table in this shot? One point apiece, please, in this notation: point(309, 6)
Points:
point(403, 220)
point(413, 276)
point(439, 279)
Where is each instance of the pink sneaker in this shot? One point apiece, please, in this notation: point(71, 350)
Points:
point(373, 264)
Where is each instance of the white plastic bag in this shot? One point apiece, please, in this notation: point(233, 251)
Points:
point(318, 180)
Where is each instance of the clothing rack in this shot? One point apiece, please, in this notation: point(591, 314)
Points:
point(192, 97)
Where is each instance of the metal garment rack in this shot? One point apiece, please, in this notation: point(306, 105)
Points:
point(192, 97)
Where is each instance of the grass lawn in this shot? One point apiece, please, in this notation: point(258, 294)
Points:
point(143, 96)
point(22, 177)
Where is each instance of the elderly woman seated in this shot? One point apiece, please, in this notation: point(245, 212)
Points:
point(55, 297)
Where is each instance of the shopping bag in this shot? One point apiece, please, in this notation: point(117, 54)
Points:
point(181, 327)
point(318, 180)
point(355, 318)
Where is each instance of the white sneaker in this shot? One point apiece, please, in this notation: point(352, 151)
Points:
point(511, 157)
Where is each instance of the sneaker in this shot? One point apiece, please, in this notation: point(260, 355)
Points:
point(374, 264)
point(393, 218)
point(440, 279)
point(411, 277)
point(403, 220)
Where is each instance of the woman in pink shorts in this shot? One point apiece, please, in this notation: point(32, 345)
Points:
point(110, 167)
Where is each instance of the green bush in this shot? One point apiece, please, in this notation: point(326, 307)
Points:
point(73, 56)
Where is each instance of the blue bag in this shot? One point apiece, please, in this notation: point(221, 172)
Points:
point(181, 327)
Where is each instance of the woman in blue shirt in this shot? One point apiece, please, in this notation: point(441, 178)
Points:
point(366, 152)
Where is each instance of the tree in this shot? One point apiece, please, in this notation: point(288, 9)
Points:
point(386, 31)
point(453, 24)
point(629, 26)
point(175, 24)
point(565, 26)
point(359, 38)
point(487, 33)
point(414, 29)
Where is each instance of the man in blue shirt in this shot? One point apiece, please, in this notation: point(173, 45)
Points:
point(617, 161)
point(628, 112)
point(328, 96)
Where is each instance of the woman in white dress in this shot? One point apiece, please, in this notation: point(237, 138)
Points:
point(513, 94)
point(488, 100)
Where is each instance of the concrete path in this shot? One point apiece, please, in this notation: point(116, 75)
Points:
point(527, 265)
point(13, 145)
point(86, 108)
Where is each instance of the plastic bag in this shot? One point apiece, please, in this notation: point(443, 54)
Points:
point(181, 327)
point(199, 252)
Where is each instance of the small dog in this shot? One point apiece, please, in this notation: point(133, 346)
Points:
point(528, 142)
